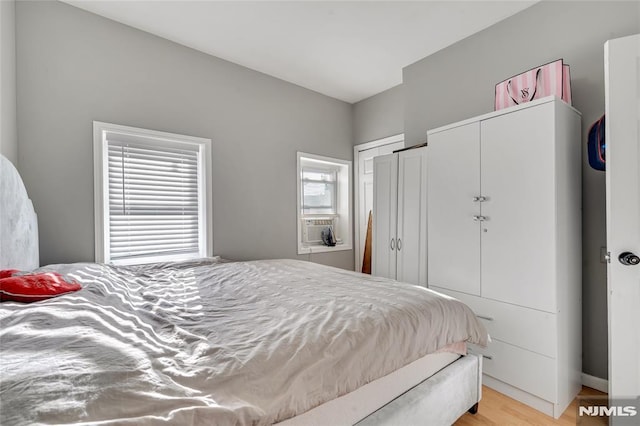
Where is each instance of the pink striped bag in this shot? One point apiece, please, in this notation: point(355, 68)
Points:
point(546, 80)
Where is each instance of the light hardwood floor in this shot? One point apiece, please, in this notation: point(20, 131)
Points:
point(500, 410)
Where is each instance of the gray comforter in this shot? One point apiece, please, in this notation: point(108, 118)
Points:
point(213, 343)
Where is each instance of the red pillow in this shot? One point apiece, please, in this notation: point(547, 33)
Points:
point(6, 273)
point(35, 287)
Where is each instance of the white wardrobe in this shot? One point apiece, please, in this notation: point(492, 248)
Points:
point(504, 236)
point(399, 245)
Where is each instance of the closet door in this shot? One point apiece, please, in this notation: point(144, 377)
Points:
point(411, 242)
point(385, 207)
point(365, 191)
point(518, 181)
point(453, 182)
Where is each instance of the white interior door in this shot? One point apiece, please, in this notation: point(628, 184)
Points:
point(411, 244)
point(365, 190)
point(622, 108)
point(365, 195)
point(385, 216)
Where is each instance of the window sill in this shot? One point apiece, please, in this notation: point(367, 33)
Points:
point(135, 261)
point(323, 249)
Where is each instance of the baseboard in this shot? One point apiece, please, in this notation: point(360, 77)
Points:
point(595, 383)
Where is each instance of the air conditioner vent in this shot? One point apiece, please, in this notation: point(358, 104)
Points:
point(312, 229)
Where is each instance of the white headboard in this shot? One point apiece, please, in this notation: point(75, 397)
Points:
point(18, 222)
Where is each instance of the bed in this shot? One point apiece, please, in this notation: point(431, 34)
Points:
point(215, 342)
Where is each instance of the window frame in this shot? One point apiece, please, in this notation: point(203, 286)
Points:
point(101, 192)
point(343, 203)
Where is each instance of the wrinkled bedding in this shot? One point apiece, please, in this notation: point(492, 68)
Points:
point(209, 342)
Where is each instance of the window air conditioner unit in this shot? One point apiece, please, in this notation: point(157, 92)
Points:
point(312, 229)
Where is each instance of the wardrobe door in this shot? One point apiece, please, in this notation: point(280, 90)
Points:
point(518, 234)
point(385, 206)
point(453, 182)
point(411, 242)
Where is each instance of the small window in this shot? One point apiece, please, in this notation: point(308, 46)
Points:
point(319, 191)
point(324, 201)
point(152, 202)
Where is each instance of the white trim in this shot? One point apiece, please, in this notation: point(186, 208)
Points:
point(379, 142)
point(98, 191)
point(595, 383)
point(347, 236)
point(357, 149)
point(207, 187)
point(323, 249)
point(153, 134)
point(100, 129)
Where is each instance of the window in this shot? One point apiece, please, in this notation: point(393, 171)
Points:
point(324, 201)
point(319, 190)
point(152, 202)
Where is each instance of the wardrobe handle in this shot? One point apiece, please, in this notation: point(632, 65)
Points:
point(484, 317)
point(479, 199)
point(479, 218)
point(489, 357)
point(399, 244)
point(393, 244)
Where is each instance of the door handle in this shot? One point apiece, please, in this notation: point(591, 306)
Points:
point(399, 244)
point(393, 244)
point(629, 259)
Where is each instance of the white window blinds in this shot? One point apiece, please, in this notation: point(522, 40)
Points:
point(154, 204)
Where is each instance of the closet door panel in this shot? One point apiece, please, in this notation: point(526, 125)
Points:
point(453, 169)
point(518, 235)
point(385, 202)
point(412, 213)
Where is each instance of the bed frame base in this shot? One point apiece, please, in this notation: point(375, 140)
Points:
point(439, 400)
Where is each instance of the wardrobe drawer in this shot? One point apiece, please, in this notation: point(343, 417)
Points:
point(523, 327)
point(529, 371)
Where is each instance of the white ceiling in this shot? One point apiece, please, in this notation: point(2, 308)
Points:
point(348, 50)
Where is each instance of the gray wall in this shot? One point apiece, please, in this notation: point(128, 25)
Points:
point(379, 116)
point(8, 123)
point(458, 83)
point(75, 67)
